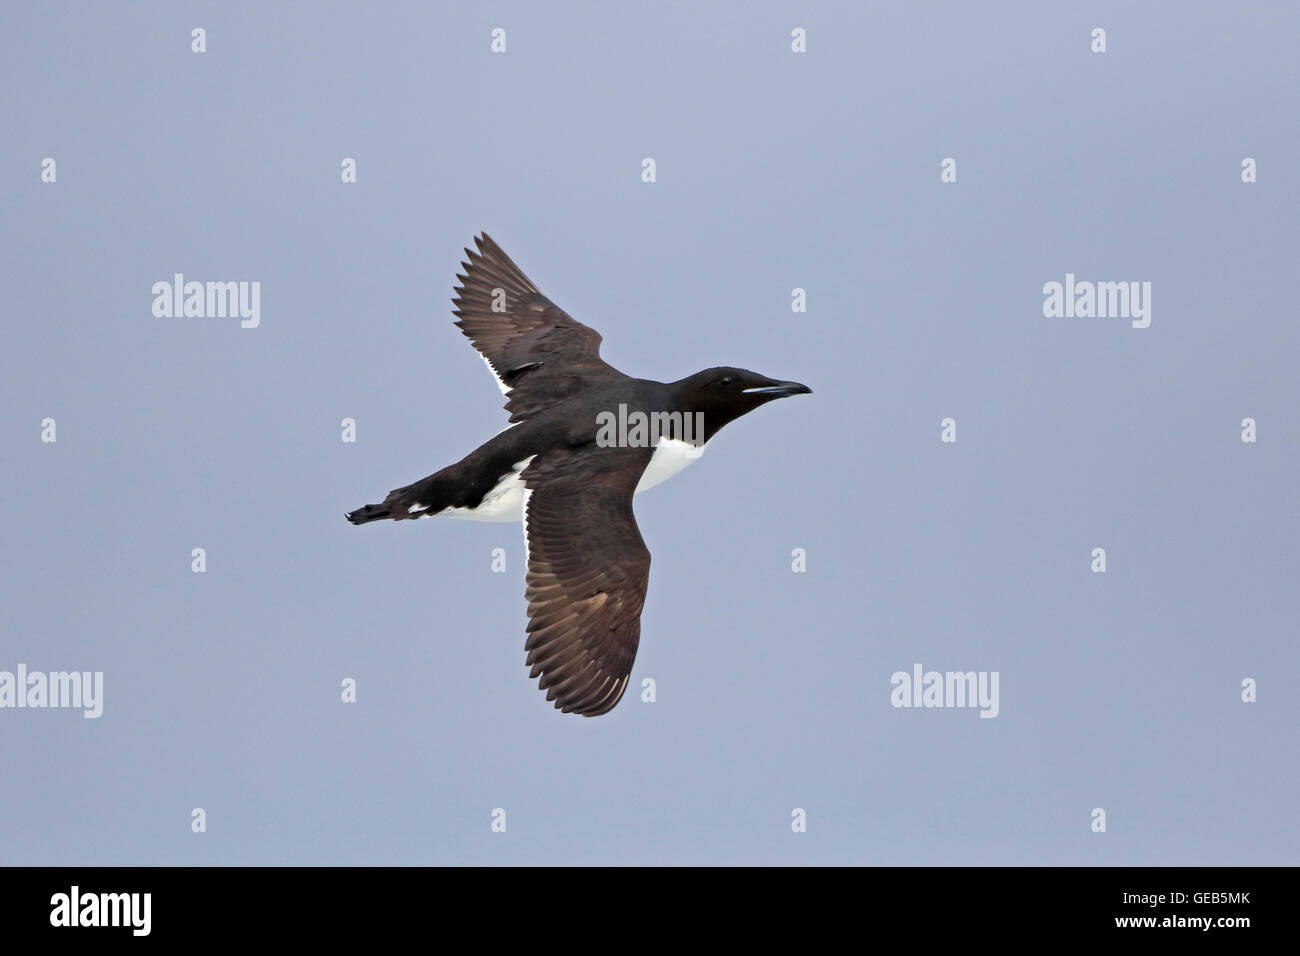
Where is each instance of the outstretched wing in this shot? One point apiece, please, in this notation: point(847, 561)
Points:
point(587, 574)
point(539, 354)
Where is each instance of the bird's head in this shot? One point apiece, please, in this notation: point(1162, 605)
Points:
point(724, 394)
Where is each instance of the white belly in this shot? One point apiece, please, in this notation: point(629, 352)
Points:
point(671, 457)
point(505, 502)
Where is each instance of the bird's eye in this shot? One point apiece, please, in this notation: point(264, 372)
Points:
point(726, 380)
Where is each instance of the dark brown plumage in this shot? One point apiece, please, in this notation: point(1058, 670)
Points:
point(536, 349)
point(587, 573)
point(588, 567)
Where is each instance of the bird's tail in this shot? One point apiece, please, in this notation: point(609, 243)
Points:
point(426, 497)
point(369, 513)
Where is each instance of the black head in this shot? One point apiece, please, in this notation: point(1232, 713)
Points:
point(724, 394)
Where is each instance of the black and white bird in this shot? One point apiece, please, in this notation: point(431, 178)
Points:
point(556, 468)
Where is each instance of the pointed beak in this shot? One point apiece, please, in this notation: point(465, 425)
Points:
point(780, 390)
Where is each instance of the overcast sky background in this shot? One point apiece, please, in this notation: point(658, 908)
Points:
point(775, 170)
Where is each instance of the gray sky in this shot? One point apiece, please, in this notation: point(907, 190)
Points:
point(775, 170)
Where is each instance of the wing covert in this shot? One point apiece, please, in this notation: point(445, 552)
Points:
point(539, 353)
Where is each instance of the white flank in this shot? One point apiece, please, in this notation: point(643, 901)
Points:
point(505, 502)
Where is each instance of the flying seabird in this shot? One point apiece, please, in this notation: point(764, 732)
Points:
point(583, 439)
